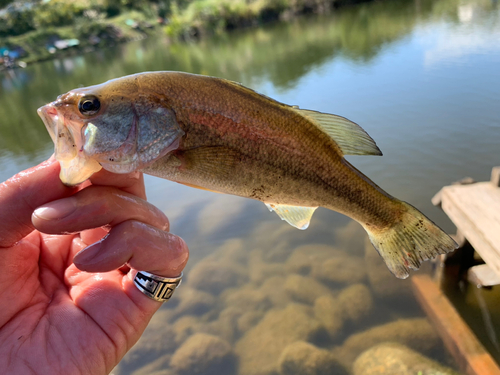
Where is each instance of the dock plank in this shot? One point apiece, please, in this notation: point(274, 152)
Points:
point(460, 341)
point(475, 210)
point(483, 275)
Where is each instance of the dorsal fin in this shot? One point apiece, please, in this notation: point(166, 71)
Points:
point(297, 216)
point(349, 136)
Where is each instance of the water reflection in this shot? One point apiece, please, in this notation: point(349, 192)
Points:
point(420, 76)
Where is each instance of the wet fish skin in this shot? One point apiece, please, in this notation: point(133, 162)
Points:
point(218, 135)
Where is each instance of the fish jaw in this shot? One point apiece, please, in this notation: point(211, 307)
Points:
point(76, 167)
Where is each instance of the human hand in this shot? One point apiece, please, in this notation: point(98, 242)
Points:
point(67, 314)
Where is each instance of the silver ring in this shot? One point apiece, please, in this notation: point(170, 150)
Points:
point(156, 287)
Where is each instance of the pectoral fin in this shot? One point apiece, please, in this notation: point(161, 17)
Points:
point(212, 161)
point(296, 216)
point(199, 187)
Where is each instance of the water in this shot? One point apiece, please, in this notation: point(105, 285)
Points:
point(421, 77)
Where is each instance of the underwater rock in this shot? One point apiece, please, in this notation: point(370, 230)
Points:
point(159, 366)
point(274, 290)
point(231, 251)
point(203, 354)
point(259, 271)
point(277, 232)
point(158, 372)
point(304, 289)
point(278, 253)
point(214, 277)
point(224, 326)
point(305, 258)
point(156, 341)
point(351, 238)
point(302, 358)
point(219, 213)
point(248, 320)
point(342, 269)
point(416, 333)
point(184, 327)
point(356, 302)
point(382, 281)
point(260, 348)
point(330, 313)
point(193, 302)
point(246, 298)
point(396, 359)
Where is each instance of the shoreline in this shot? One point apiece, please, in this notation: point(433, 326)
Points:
point(181, 25)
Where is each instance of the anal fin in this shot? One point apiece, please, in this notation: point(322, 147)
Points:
point(296, 216)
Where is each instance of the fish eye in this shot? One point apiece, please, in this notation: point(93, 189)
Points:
point(89, 105)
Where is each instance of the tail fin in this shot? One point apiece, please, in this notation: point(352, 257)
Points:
point(409, 242)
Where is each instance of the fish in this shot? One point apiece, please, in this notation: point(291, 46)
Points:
point(218, 135)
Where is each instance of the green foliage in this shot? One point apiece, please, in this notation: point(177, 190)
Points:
point(17, 22)
point(214, 16)
point(210, 16)
point(57, 13)
point(4, 3)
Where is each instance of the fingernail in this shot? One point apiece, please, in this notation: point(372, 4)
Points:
point(56, 210)
point(88, 254)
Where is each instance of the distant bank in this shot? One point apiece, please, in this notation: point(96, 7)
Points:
point(35, 31)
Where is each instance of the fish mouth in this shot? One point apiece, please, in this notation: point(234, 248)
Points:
point(85, 146)
point(76, 167)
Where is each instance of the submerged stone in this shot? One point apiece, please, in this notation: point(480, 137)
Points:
point(341, 269)
point(356, 302)
point(305, 258)
point(302, 358)
point(248, 320)
point(260, 348)
point(415, 333)
point(214, 277)
point(193, 302)
point(329, 312)
point(157, 342)
point(274, 289)
point(304, 289)
point(397, 359)
point(184, 327)
point(246, 299)
point(231, 251)
point(203, 354)
point(351, 238)
point(259, 270)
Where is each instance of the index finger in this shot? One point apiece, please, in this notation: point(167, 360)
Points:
point(132, 183)
point(24, 192)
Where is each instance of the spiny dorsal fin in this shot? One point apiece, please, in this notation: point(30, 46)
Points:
point(350, 137)
point(296, 216)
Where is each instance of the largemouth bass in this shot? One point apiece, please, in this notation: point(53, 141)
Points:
point(218, 135)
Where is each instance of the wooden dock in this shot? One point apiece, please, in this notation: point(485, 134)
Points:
point(458, 338)
point(475, 210)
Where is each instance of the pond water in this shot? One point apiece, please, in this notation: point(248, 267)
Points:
point(421, 77)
